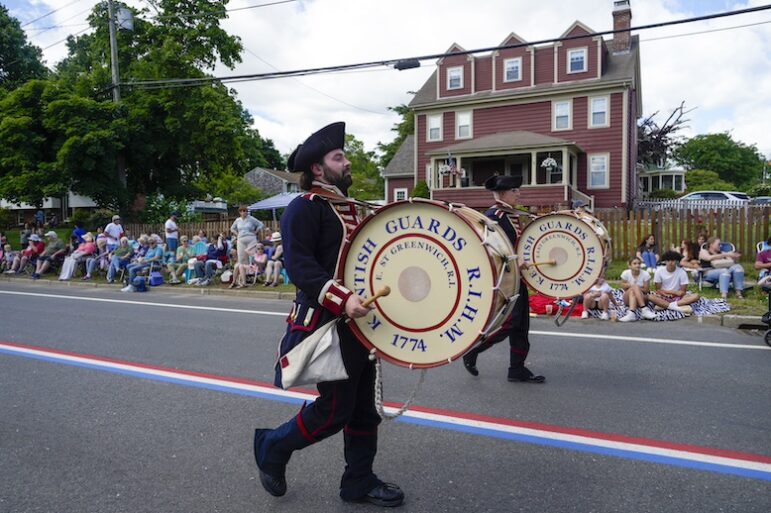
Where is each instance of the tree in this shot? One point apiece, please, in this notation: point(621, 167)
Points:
point(655, 144)
point(403, 128)
point(733, 161)
point(367, 182)
point(705, 180)
point(19, 60)
point(421, 190)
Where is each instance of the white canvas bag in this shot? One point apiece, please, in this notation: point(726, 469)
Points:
point(315, 359)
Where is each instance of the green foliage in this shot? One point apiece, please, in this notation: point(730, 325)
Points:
point(733, 161)
point(80, 215)
point(368, 184)
point(760, 189)
point(19, 60)
point(663, 194)
point(421, 190)
point(7, 218)
point(403, 128)
point(100, 217)
point(158, 208)
point(704, 180)
point(236, 190)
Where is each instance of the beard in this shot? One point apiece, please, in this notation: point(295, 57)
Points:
point(342, 182)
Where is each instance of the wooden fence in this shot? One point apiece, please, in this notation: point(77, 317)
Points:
point(744, 227)
point(190, 229)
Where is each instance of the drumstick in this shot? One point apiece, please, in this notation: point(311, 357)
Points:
point(380, 293)
point(547, 262)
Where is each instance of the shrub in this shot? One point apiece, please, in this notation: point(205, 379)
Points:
point(421, 190)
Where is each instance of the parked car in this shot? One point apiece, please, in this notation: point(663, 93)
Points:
point(737, 198)
point(761, 200)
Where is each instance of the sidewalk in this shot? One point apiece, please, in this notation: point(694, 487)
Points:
point(726, 320)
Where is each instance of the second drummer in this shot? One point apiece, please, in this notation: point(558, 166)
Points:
point(506, 193)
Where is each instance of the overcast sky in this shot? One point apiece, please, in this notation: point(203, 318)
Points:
point(724, 74)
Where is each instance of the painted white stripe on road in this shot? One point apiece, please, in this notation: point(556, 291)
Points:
point(562, 334)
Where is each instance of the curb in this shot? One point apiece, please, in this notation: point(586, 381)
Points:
point(201, 291)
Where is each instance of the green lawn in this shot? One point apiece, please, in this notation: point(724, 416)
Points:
point(13, 236)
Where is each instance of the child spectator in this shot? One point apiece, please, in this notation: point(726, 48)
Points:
point(636, 284)
point(599, 296)
point(672, 286)
point(34, 248)
point(8, 256)
point(648, 252)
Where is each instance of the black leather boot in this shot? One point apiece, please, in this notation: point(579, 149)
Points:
point(523, 374)
point(272, 450)
point(470, 362)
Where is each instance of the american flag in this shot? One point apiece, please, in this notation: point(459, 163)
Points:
point(451, 167)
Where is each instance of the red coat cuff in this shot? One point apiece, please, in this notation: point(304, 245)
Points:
point(333, 297)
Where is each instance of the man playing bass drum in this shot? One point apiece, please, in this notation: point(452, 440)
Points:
point(506, 193)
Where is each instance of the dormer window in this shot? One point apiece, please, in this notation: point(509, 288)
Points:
point(455, 78)
point(577, 60)
point(512, 70)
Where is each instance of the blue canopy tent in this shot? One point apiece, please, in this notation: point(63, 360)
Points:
point(274, 202)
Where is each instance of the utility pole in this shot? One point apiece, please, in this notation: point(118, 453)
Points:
point(115, 81)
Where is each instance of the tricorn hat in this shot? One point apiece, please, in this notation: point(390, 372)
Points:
point(503, 183)
point(331, 137)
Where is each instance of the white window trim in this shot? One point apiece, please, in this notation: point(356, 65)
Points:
point(607, 111)
point(554, 115)
point(461, 78)
point(606, 184)
point(470, 124)
point(428, 127)
point(505, 62)
point(400, 190)
point(585, 51)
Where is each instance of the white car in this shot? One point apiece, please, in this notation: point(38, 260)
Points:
point(737, 198)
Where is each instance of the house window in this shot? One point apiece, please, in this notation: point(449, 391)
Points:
point(598, 172)
point(512, 70)
point(561, 115)
point(655, 183)
point(598, 112)
point(645, 184)
point(577, 60)
point(667, 182)
point(455, 78)
point(400, 194)
point(463, 125)
point(679, 183)
point(434, 127)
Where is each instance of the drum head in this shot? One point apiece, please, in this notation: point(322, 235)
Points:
point(441, 281)
point(577, 252)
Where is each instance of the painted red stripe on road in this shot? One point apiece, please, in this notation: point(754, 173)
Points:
point(707, 451)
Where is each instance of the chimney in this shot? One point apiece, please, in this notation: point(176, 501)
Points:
point(622, 19)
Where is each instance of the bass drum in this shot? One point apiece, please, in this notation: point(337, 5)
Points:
point(567, 250)
point(452, 274)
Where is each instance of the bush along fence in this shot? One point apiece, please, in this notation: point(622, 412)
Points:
point(742, 226)
point(190, 229)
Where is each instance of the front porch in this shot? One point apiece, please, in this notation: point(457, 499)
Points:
point(548, 167)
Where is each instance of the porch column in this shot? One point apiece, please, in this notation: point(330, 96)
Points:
point(565, 166)
point(533, 168)
point(457, 175)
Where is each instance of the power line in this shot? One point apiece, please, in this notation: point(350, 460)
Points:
point(66, 38)
point(199, 15)
point(49, 13)
point(391, 62)
point(721, 29)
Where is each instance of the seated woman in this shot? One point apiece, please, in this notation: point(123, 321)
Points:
point(153, 254)
point(35, 247)
point(648, 252)
point(260, 259)
point(636, 284)
point(119, 259)
point(690, 252)
point(763, 264)
point(275, 263)
point(54, 251)
point(241, 271)
point(599, 297)
point(99, 258)
point(721, 268)
point(178, 266)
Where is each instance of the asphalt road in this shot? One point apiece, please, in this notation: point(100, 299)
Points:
point(160, 419)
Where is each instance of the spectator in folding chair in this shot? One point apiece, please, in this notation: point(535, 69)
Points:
point(98, 259)
point(35, 247)
point(119, 259)
point(154, 255)
point(184, 253)
point(84, 251)
point(216, 257)
point(275, 262)
point(721, 268)
point(763, 264)
point(54, 252)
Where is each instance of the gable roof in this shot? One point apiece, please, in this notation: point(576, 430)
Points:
point(282, 175)
point(580, 25)
point(403, 162)
point(455, 47)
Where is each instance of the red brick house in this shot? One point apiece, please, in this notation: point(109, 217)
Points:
point(562, 116)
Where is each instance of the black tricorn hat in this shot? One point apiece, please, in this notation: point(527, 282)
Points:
point(503, 183)
point(331, 137)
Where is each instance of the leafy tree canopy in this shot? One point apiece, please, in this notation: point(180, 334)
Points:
point(705, 180)
point(19, 60)
point(367, 182)
point(403, 128)
point(733, 161)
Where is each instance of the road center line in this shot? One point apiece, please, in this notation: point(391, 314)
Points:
point(708, 459)
point(561, 334)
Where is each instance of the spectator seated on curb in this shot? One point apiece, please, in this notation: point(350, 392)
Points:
point(153, 255)
point(720, 268)
point(53, 253)
point(636, 285)
point(179, 263)
point(216, 257)
point(671, 284)
point(763, 264)
point(600, 296)
point(35, 248)
point(98, 260)
point(119, 259)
